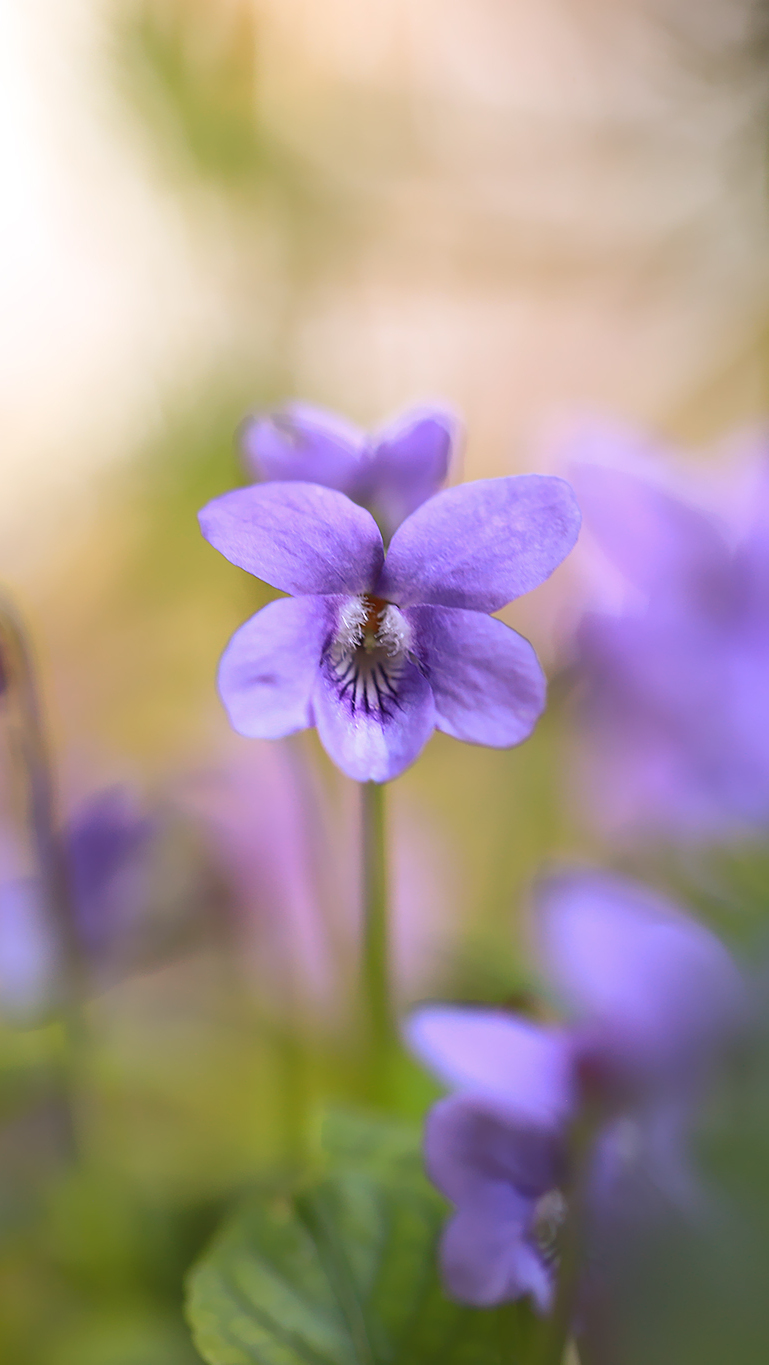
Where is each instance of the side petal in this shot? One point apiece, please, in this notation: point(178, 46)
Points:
point(373, 735)
point(657, 989)
point(487, 682)
point(482, 544)
point(305, 443)
point(268, 670)
point(409, 462)
point(299, 537)
point(523, 1066)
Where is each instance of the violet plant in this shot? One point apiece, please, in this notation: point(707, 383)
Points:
point(674, 679)
point(567, 1127)
point(377, 647)
point(554, 1129)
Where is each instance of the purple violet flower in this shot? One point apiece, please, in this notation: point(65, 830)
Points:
point(390, 473)
point(652, 997)
point(28, 957)
point(675, 680)
point(378, 652)
point(108, 842)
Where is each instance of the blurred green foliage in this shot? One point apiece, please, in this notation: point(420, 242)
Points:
point(343, 1270)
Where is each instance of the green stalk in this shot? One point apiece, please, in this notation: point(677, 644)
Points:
point(375, 975)
point(19, 689)
point(557, 1344)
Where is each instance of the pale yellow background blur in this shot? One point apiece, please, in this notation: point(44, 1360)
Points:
point(548, 204)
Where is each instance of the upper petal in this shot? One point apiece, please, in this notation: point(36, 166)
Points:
point(409, 462)
point(482, 544)
point(305, 443)
point(268, 670)
point(657, 988)
point(523, 1066)
point(299, 537)
point(373, 732)
point(486, 679)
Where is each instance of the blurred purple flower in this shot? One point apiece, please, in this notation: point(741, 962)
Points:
point(390, 473)
point(28, 956)
point(652, 997)
point(107, 843)
point(676, 679)
point(288, 878)
point(286, 852)
point(377, 652)
point(106, 848)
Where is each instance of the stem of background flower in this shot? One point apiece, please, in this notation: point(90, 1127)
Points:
point(19, 687)
point(557, 1346)
point(375, 976)
point(295, 1095)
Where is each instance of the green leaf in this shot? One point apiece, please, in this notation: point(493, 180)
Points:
point(343, 1272)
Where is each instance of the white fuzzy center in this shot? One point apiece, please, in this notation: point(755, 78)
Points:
point(368, 654)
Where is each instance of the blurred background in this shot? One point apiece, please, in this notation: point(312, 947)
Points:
point(551, 217)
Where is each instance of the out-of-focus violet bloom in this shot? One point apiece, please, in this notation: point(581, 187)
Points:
point(106, 846)
point(107, 841)
point(378, 652)
point(391, 472)
point(287, 858)
point(675, 679)
point(651, 997)
point(28, 956)
point(277, 850)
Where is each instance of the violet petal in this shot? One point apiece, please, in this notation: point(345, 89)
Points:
point(305, 443)
point(487, 682)
point(494, 1169)
point(659, 542)
point(269, 668)
point(486, 1258)
point(369, 742)
point(657, 986)
point(526, 1067)
point(481, 544)
point(408, 464)
point(299, 537)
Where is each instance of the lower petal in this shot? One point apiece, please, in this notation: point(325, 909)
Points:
point(269, 668)
point(374, 734)
point(486, 1259)
point(495, 1169)
point(487, 682)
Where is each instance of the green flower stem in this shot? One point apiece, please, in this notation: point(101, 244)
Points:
point(296, 1095)
point(557, 1344)
point(20, 689)
point(375, 976)
point(19, 694)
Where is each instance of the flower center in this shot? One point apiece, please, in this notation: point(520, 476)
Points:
point(549, 1216)
point(375, 608)
point(368, 653)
